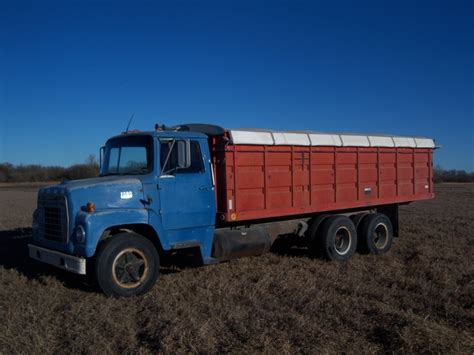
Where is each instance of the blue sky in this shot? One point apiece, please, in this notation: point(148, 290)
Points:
point(72, 72)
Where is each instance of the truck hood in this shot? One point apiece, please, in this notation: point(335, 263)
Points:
point(107, 193)
point(104, 192)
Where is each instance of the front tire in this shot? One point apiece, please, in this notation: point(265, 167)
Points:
point(127, 264)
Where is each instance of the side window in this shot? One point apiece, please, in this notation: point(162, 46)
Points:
point(171, 158)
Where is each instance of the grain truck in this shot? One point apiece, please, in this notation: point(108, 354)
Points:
point(222, 194)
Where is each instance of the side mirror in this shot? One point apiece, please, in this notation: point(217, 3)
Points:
point(184, 153)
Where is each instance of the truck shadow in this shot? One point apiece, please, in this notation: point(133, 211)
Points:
point(14, 255)
point(13, 248)
point(289, 245)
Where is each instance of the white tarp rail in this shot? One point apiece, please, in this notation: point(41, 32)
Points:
point(322, 139)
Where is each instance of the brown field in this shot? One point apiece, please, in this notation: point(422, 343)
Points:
point(417, 298)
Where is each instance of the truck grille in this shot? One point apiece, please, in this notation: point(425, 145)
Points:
point(53, 218)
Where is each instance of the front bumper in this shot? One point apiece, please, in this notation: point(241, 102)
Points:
point(67, 262)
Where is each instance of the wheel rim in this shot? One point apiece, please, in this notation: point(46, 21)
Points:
point(380, 236)
point(130, 268)
point(342, 241)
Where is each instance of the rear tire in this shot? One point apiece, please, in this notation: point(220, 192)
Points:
point(337, 238)
point(375, 234)
point(126, 265)
point(313, 237)
point(357, 220)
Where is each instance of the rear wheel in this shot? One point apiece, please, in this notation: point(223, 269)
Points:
point(337, 238)
point(357, 219)
point(126, 265)
point(376, 234)
point(312, 235)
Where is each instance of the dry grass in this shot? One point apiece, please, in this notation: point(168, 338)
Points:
point(418, 298)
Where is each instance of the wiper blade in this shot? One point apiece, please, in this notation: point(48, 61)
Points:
point(110, 174)
point(131, 172)
point(137, 173)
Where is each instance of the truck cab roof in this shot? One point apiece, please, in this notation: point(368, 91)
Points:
point(190, 130)
point(177, 134)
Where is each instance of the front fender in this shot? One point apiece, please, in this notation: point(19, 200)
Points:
point(96, 223)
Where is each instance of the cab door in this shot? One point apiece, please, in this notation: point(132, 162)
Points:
point(186, 191)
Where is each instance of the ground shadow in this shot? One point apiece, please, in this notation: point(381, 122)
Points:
point(14, 255)
point(290, 245)
point(13, 247)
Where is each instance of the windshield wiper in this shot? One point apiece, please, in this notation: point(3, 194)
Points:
point(140, 171)
point(137, 172)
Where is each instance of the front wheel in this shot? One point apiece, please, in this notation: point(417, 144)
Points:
point(126, 265)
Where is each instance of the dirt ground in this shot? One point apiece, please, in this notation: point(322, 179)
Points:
point(417, 298)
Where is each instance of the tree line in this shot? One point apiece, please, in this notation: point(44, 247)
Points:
point(90, 168)
point(39, 173)
point(441, 175)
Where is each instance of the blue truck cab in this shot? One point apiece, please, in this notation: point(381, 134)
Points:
point(155, 193)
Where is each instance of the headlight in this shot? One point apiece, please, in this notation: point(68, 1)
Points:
point(80, 234)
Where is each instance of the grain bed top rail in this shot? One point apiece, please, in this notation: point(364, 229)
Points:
point(267, 137)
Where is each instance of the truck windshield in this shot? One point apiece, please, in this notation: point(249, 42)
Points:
point(128, 156)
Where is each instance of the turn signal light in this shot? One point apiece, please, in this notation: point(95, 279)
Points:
point(90, 207)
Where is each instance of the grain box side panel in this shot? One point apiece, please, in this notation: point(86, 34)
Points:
point(323, 175)
point(346, 175)
point(275, 181)
point(279, 177)
point(388, 173)
point(422, 171)
point(405, 172)
point(249, 178)
point(367, 166)
point(301, 177)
